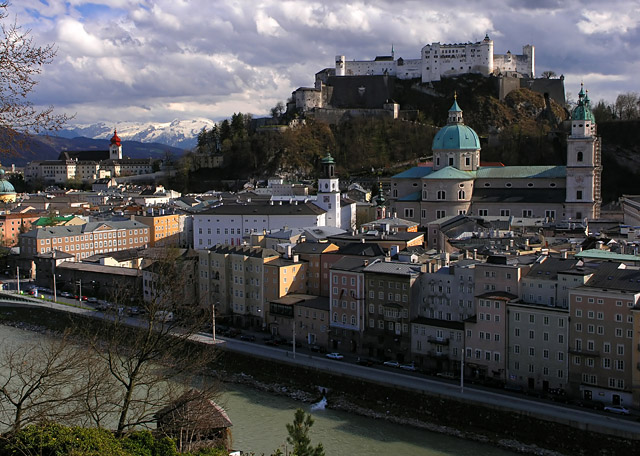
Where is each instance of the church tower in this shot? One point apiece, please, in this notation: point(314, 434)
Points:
point(329, 192)
point(584, 169)
point(115, 149)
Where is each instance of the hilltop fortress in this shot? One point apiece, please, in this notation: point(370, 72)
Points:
point(444, 60)
point(366, 87)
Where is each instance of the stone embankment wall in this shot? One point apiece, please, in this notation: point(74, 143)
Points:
point(511, 430)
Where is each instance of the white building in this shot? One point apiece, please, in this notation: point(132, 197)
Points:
point(443, 60)
point(229, 223)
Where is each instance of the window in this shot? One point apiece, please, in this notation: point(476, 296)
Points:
point(579, 194)
point(461, 194)
point(579, 157)
point(483, 212)
point(408, 212)
point(505, 212)
point(441, 195)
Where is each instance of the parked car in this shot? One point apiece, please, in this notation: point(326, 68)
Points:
point(92, 300)
point(365, 362)
point(391, 364)
point(248, 337)
point(618, 409)
point(134, 311)
point(271, 342)
point(66, 294)
point(590, 403)
point(408, 367)
point(334, 355)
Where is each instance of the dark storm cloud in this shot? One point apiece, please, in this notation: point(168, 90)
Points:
point(161, 59)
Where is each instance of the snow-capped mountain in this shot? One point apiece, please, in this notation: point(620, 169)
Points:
point(179, 133)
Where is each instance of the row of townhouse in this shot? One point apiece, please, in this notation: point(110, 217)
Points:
point(83, 241)
point(536, 321)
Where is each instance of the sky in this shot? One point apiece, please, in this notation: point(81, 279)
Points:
point(160, 60)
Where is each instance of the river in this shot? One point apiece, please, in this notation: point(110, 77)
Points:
point(259, 424)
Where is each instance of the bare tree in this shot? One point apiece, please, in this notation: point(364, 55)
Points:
point(549, 74)
point(152, 363)
point(38, 382)
point(20, 62)
point(626, 106)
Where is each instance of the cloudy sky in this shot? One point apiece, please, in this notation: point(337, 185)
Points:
point(159, 60)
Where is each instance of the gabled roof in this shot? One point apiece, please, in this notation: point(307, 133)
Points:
point(450, 172)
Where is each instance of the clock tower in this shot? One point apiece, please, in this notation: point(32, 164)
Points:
point(329, 192)
point(584, 168)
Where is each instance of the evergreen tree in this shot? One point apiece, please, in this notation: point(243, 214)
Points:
point(299, 436)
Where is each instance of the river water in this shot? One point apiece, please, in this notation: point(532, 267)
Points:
point(259, 424)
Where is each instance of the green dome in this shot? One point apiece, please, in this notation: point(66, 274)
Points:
point(5, 186)
point(456, 136)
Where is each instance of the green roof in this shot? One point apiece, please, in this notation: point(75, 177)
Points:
point(48, 221)
point(598, 254)
point(583, 110)
point(522, 172)
point(416, 172)
point(456, 136)
point(451, 173)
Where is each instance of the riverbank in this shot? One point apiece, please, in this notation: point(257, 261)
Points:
point(338, 401)
point(518, 432)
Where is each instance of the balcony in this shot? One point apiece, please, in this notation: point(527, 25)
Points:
point(582, 352)
point(438, 340)
point(437, 355)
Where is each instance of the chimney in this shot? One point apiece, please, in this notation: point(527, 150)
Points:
point(475, 254)
point(296, 258)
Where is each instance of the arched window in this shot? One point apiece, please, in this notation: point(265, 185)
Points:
point(335, 316)
point(461, 194)
point(344, 318)
point(580, 156)
point(442, 194)
point(425, 195)
point(353, 320)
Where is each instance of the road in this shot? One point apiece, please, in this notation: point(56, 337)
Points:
point(585, 419)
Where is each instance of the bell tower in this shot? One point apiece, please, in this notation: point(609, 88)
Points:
point(115, 149)
point(584, 167)
point(329, 192)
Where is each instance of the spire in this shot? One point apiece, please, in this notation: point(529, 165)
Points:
point(392, 52)
point(115, 139)
point(455, 113)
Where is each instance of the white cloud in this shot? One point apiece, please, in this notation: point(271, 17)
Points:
point(165, 59)
point(266, 25)
point(609, 22)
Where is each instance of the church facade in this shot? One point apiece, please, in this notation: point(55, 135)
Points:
point(88, 166)
point(456, 183)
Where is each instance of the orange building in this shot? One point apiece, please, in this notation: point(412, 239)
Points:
point(11, 225)
point(164, 229)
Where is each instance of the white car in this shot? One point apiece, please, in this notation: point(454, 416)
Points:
point(391, 363)
point(618, 409)
point(408, 367)
point(334, 356)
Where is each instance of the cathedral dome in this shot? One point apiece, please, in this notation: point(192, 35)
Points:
point(456, 136)
point(7, 191)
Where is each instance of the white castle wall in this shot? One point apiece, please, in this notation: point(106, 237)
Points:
point(444, 60)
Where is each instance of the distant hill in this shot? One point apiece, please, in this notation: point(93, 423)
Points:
point(25, 149)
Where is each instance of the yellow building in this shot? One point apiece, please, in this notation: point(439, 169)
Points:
point(164, 229)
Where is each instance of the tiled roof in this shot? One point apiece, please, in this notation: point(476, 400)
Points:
point(414, 173)
point(522, 172)
point(383, 267)
point(264, 209)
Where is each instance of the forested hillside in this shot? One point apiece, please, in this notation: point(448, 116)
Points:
point(523, 129)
